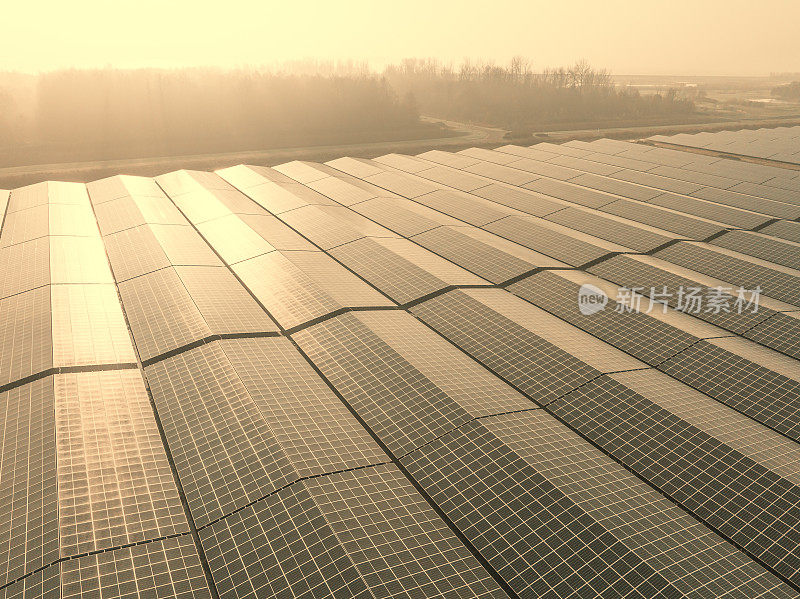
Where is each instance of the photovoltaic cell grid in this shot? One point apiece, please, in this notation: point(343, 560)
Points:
point(713, 479)
point(779, 144)
point(289, 491)
point(365, 533)
point(84, 470)
point(545, 520)
point(408, 384)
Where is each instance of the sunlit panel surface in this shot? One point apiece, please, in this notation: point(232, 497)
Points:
point(564, 370)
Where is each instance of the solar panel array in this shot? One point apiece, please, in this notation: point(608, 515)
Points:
point(779, 144)
point(376, 378)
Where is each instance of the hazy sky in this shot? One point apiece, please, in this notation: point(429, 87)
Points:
point(749, 37)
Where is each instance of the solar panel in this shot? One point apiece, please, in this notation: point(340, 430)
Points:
point(297, 287)
point(584, 165)
point(638, 333)
point(224, 303)
point(135, 252)
point(121, 186)
point(403, 216)
point(487, 255)
point(345, 192)
point(649, 274)
point(409, 385)
point(127, 212)
point(559, 519)
point(775, 281)
point(277, 233)
point(281, 197)
point(301, 171)
point(35, 255)
point(78, 260)
point(26, 197)
point(29, 527)
point(724, 214)
point(765, 191)
point(753, 380)
point(41, 584)
point(781, 332)
point(245, 176)
point(404, 185)
point(356, 534)
point(233, 239)
point(571, 193)
point(332, 227)
point(520, 199)
point(694, 177)
point(168, 568)
point(487, 155)
point(557, 241)
point(69, 219)
point(104, 424)
point(380, 378)
point(453, 178)
point(745, 202)
point(783, 229)
point(225, 454)
point(666, 433)
point(621, 188)
point(401, 269)
point(692, 227)
point(161, 313)
point(499, 173)
point(88, 326)
point(49, 192)
point(571, 148)
point(402, 162)
point(617, 230)
point(544, 169)
point(357, 167)
point(186, 181)
point(26, 335)
point(465, 207)
point(657, 181)
point(761, 246)
point(534, 151)
point(448, 159)
point(25, 225)
point(69, 430)
point(314, 428)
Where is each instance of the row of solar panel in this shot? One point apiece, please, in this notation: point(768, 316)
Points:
point(381, 416)
point(741, 173)
point(450, 427)
point(779, 143)
point(87, 474)
point(58, 302)
point(469, 331)
point(645, 183)
point(671, 263)
point(712, 171)
point(649, 183)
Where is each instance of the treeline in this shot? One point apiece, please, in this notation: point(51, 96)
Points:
point(203, 110)
point(517, 97)
point(787, 91)
point(75, 115)
point(122, 113)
